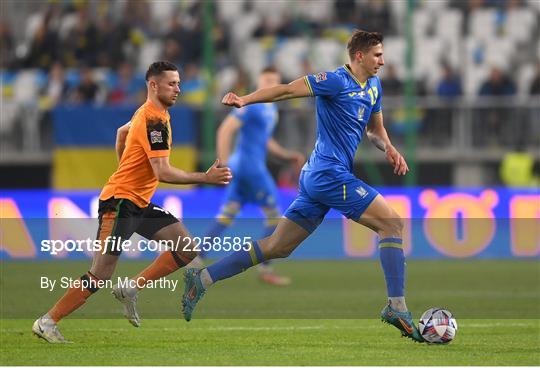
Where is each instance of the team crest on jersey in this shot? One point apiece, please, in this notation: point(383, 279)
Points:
point(361, 192)
point(156, 137)
point(319, 77)
point(361, 112)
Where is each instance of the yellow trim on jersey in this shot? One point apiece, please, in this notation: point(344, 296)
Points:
point(306, 81)
point(362, 85)
point(253, 255)
point(344, 192)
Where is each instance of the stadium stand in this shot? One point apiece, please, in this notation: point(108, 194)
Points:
point(472, 37)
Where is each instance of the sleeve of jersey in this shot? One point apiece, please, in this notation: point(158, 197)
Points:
point(378, 101)
point(155, 138)
point(241, 113)
point(323, 84)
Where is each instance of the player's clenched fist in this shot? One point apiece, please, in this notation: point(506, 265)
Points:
point(396, 160)
point(231, 99)
point(218, 175)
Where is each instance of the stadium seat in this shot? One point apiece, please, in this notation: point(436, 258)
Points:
point(524, 78)
point(394, 53)
point(436, 7)
point(252, 58)
point(161, 12)
point(449, 25)
point(229, 11)
point(520, 24)
point(289, 56)
point(482, 24)
point(150, 52)
point(243, 27)
point(498, 51)
point(26, 86)
point(329, 54)
point(423, 21)
point(534, 4)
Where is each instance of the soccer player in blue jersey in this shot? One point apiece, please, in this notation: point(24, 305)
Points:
point(348, 102)
point(252, 181)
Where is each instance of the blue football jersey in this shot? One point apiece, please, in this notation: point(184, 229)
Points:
point(258, 123)
point(344, 106)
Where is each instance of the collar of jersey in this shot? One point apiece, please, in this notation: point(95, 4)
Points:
point(156, 109)
point(362, 85)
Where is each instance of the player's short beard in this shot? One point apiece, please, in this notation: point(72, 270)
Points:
point(165, 101)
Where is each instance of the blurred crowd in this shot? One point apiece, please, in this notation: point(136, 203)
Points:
point(96, 51)
point(476, 71)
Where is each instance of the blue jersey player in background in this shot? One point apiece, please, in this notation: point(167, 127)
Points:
point(252, 182)
point(348, 103)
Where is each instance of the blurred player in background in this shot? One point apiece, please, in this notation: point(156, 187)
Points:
point(252, 181)
point(348, 102)
point(125, 207)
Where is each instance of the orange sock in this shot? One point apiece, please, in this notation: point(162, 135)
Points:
point(74, 298)
point(165, 264)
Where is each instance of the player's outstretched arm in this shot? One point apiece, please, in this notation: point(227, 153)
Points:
point(282, 153)
point(295, 89)
point(166, 173)
point(225, 135)
point(121, 136)
point(376, 133)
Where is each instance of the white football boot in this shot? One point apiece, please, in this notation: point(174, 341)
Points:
point(130, 304)
point(47, 329)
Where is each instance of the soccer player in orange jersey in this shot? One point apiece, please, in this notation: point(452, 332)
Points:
point(125, 207)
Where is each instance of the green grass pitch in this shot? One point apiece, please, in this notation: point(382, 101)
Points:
point(328, 316)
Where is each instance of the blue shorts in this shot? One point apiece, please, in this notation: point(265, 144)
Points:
point(321, 190)
point(254, 186)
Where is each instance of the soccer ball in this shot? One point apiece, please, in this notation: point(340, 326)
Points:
point(437, 326)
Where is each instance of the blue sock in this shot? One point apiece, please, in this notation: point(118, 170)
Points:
point(216, 230)
point(236, 263)
point(393, 264)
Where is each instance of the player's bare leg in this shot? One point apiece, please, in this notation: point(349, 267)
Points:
point(266, 272)
point(165, 264)
point(45, 327)
point(382, 219)
point(287, 236)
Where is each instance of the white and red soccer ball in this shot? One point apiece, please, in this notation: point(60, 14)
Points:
point(437, 326)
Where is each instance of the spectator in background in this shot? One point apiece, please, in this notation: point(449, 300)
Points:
point(86, 92)
point(498, 84)
point(517, 169)
point(450, 84)
point(193, 86)
point(374, 15)
point(345, 12)
point(80, 44)
point(495, 126)
point(534, 113)
point(392, 85)
point(110, 41)
point(56, 89)
point(7, 46)
point(44, 46)
point(53, 93)
point(172, 51)
point(438, 122)
point(128, 88)
point(535, 85)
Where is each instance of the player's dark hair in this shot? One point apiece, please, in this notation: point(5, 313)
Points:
point(363, 41)
point(158, 67)
point(270, 69)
